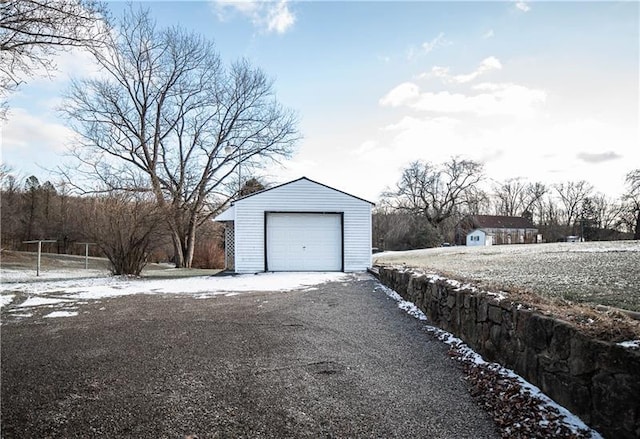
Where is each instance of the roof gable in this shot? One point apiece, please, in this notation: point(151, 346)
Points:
point(298, 180)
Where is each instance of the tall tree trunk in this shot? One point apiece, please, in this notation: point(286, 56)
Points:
point(636, 235)
point(178, 255)
point(190, 243)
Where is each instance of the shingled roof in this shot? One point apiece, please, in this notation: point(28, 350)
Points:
point(500, 222)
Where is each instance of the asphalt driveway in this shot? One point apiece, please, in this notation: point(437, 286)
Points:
point(339, 361)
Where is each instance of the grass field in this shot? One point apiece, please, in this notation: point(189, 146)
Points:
point(596, 273)
point(21, 267)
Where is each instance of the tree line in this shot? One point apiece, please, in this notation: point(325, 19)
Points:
point(126, 228)
point(429, 200)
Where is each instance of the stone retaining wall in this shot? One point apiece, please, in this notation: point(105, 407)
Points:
point(598, 381)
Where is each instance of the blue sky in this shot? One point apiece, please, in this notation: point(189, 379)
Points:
point(544, 91)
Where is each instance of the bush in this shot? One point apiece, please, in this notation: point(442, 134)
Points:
point(208, 254)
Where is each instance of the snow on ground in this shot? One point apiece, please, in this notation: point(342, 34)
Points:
point(6, 299)
point(61, 314)
point(22, 275)
point(630, 344)
point(568, 419)
point(46, 293)
point(598, 273)
point(40, 301)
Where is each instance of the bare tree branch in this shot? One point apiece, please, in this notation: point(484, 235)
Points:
point(33, 31)
point(170, 118)
point(437, 193)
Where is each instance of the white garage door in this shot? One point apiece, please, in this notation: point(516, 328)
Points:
point(304, 242)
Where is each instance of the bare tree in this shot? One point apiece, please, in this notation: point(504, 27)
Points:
point(510, 196)
point(632, 200)
point(33, 31)
point(437, 192)
point(532, 198)
point(169, 118)
point(32, 189)
point(516, 197)
point(393, 230)
point(572, 195)
point(10, 207)
point(607, 211)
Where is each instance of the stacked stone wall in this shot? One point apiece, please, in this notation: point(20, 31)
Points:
point(596, 380)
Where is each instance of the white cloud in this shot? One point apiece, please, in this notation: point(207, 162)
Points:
point(440, 72)
point(487, 64)
point(401, 95)
point(523, 6)
point(438, 41)
point(23, 131)
point(488, 34)
point(268, 16)
point(280, 18)
point(491, 99)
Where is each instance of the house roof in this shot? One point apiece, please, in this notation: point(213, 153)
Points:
point(500, 222)
point(299, 179)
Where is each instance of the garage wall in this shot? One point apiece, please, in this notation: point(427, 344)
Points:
point(301, 196)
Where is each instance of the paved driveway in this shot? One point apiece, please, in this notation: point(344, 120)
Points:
point(338, 361)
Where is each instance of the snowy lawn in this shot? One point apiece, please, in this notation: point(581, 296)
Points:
point(600, 273)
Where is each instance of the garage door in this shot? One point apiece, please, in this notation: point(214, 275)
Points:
point(304, 242)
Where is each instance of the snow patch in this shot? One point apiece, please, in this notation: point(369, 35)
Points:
point(404, 305)
point(39, 301)
point(6, 299)
point(630, 344)
point(80, 290)
point(10, 275)
point(61, 314)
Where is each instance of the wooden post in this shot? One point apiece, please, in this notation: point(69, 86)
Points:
point(39, 242)
point(86, 253)
point(39, 253)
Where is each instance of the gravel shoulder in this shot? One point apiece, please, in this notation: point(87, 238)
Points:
point(339, 360)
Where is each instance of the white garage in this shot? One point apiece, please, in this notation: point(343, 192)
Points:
point(298, 226)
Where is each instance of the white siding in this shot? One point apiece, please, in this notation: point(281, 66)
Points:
point(478, 238)
point(301, 196)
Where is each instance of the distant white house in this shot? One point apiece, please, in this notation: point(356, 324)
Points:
point(501, 229)
point(479, 237)
point(301, 225)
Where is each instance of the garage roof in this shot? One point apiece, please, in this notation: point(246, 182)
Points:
point(299, 179)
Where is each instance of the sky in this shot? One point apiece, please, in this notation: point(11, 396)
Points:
point(541, 91)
